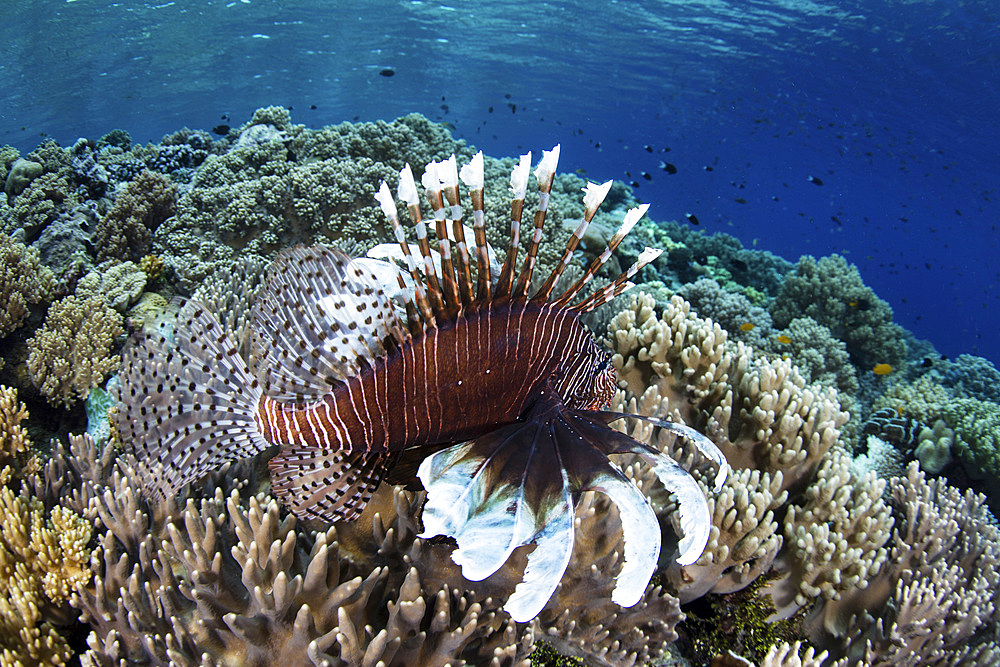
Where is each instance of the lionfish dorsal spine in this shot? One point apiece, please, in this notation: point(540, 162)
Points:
point(441, 300)
point(418, 301)
point(408, 193)
point(473, 177)
point(631, 218)
point(448, 175)
point(545, 172)
point(594, 195)
point(519, 188)
point(433, 188)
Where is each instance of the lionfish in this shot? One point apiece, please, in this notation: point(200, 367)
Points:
point(498, 396)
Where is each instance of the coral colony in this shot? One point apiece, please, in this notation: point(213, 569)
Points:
point(293, 442)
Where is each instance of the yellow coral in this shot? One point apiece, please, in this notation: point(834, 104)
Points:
point(13, 437)
point(42, 562)
point(72, 351)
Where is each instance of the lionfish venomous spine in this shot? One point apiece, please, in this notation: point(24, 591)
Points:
point(493, 394)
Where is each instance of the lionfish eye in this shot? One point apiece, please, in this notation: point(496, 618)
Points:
point(602, 364)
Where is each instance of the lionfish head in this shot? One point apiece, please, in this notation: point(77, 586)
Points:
point(587, 380)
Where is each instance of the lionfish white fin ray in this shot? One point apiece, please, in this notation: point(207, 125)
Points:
point(318, 318)
point(544, 174)
point(640, 533)
point(488, 526)
point(547, 563)
point(188, 402)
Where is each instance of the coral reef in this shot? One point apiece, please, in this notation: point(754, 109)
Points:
point(125, 233)
point(831, 292)
point(24, 281)
point(72, 351)
point(935, 600)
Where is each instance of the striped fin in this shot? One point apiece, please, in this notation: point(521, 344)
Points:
point(472, 175)
point(544, 173)
point(448, 174)
point(631, 218)
point(519, 187)
point(319, 318)
point(408, 193)
point(188, 402)
point(419, 300)
point(594, 195)
point(433, 187)
point(325, 484)
point(620, 284)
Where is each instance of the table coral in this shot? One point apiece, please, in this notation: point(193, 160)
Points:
point(72, 351)
point(24, 281)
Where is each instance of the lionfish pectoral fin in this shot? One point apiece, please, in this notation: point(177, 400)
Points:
point(320, 318)
point(504, 490)
point(327, 485)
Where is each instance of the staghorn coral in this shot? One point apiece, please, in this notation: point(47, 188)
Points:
point(761, 413)
point(825, 291)
point(24, 281)
point(72, 351)
point(125, 233)
point(935, 601)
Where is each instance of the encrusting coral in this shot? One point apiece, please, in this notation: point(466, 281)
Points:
point(72, 351)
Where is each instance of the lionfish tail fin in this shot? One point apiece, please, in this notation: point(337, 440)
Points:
point(325, 484)
point(187, 401)
point(320, 317)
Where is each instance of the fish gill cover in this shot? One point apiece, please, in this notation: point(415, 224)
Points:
point(851, 441)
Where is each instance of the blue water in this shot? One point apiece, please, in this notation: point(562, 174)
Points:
point(892, 105)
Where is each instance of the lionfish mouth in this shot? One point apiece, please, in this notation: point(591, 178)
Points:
point(501, 386)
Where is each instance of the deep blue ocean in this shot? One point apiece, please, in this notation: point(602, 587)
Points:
point(892, 106)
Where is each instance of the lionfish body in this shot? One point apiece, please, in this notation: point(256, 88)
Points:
point(498, 396)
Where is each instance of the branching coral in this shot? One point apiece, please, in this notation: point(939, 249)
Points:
point(24, 281)
point(43, 558)
point(935, 601)
point(125, 233)
point(72, 352)
point(761, 413)
point(835, 538)
point(13, 436)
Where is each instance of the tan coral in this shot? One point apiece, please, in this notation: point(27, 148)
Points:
point(43, 559)
point(72, 352)
point(744, 541)
point(935, 601)
point(13, 436)
point(24, 281)
point(761, 413)
point(834, 537)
